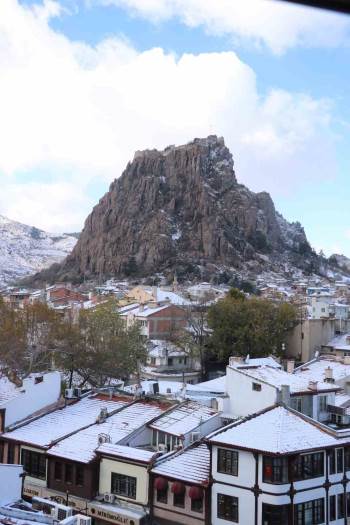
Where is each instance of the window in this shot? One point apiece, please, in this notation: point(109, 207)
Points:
point(1, 451)
point(336, 461)
point(38, 379)
point(34, 463)
point(341, 506)
point(58, 471)
point(228, 507)
point(322, 404)
point(256, 387)
point(123, 485)
point(347, 458)
point(348, 504)
point(68, 476)
point(162, 495)
point(275, 470)
point(309, 466)
point(11, 453)
point(170, 361)
point(228, 461)
point(332, 509)
point(274, 514)
point(79, 475)
point(197, 505)
point(297, 403)
point(310, 512)
point(179, 500)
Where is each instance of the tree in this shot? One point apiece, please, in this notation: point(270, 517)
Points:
point(106, 348)
point(255, 326)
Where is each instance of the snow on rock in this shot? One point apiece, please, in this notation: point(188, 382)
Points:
point(25, 249)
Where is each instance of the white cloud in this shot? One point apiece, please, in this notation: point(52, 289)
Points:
point(80, 112)
point(277, 25)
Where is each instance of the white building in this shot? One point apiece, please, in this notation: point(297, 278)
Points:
point(35, 393)
point(279, 467)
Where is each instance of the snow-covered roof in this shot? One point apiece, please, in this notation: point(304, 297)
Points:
point(191, 465)
point(51, 427)
point(278, 378)
point(184, 418)
point(214, 385)
point(82, 445)
point(339, 342)
point(278, 430)
point(256, 361)
point(315, 370)
point(8, 390)
point(119, 451)
point(139, 310)
point(174, 298)
point(162, 348)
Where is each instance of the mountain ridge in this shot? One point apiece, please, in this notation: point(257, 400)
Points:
point(182, 210)
point(26, 249)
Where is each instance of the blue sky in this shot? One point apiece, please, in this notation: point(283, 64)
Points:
point(89, 82)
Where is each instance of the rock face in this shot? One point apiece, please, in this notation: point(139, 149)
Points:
point(25, 249)
point(182, 210)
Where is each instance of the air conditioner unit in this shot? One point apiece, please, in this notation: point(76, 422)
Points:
point(195, 436)
point(108, 498)
point(77, 392)
point(61, 512)
point(68, 393)
point(44, 505)
point(162, 448)
point(83, 520)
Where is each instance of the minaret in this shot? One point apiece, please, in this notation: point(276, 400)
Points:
point(175, 283)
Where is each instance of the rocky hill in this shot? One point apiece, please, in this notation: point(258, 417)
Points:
point(182, 210)
point(25, 249)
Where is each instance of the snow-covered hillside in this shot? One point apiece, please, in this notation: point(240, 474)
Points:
point(25, 250)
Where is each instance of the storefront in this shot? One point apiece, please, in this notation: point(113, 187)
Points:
point(104, 514)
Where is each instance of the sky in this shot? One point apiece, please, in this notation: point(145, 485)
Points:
point(86, 83)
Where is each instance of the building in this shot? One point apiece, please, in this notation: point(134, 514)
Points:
point(147, 294)
point(20, 399)
point(168, 362)
point(183, 425)
point(10, 484)
point(181, 487)
point(156, 321)
point(252, 388)
point(279, 467)
point(124, 480)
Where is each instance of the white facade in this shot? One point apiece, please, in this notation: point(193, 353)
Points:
point(37, 392)
point(10, 483)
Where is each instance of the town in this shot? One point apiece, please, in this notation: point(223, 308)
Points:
point(261, 440)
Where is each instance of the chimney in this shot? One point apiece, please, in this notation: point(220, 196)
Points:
point(313, 385)
point(141, 307)
point(328, 374)
point(285, 395)
point(290, 366)
point(235, 360)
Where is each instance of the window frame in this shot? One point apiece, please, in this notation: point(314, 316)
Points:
point(315, 466)
point(282, 468)
point(227, 461)
point(34, 463)
point(130, 483)
point(225, 504)
point(316, 506)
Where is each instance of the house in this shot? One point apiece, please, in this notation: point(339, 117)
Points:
point(123, 481)
point(146, 294)
point(156, 321)
point(338, 346)
point(28, 442)
point(181, 487)
point(251, 388)
point(279, 467)
point(168, 362)
point(21, 399)
point(183, 425)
